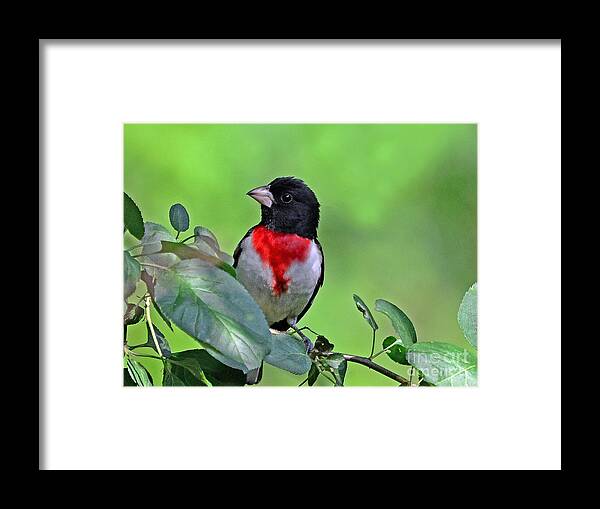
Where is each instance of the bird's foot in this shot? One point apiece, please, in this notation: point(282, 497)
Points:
point(308, 343)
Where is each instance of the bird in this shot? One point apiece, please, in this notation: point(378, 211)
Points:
point(280, 261)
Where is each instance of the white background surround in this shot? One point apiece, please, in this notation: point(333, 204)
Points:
point(512, 91)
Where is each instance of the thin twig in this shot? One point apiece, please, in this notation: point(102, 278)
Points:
point(305, 338)
point(375, 367)
point(385, 350)
point(372, 346)
point(149, 322)
point(308, 328)
point(300, 333)
point(187, 238)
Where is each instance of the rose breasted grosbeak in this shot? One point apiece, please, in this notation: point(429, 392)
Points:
point(280, 261)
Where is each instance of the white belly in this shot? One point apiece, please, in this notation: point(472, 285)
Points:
point(257, 277)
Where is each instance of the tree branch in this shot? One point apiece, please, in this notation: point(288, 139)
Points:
point(375, 367)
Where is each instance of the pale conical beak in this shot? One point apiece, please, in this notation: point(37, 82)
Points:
point(262, 195)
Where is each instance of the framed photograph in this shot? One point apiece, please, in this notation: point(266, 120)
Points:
point(221, 289)
point(279, 241)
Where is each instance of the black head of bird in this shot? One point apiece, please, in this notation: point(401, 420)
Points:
point(288, 205)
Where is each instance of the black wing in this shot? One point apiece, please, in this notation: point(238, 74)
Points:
point(319, 283)
point(238, 249)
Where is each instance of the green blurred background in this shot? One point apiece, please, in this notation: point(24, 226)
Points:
point(398, 215)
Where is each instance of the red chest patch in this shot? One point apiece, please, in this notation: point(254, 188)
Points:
point(278, 251)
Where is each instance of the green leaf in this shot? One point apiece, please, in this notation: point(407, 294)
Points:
point(217, 373)
point(127, 380)
point(467, 315)
point(133, 217)
point(366, 312)
point(152, 247)
point(160, 337)
point(183, 375)
point(200, 361)
point(343, 367)
point(288, 353)
point(444, 364)
point(221, 358)
point(131, 273)
point(313, 374)
point(398, 352)
point(337, 366)
point(150, 281)
point(179, 218)
point(215, 309)
point(185, 252)
point(138, 373)
point(401, 323)
point(201, 231)
point(133, 314)
point(206, 242)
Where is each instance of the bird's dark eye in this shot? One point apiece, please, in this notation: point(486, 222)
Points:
point(286, 197)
